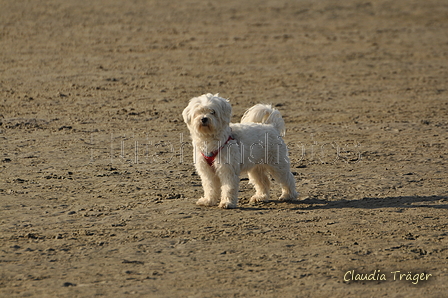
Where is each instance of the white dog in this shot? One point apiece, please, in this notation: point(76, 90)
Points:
point(222, 150)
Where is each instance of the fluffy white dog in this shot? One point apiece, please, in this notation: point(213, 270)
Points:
point(222, 150)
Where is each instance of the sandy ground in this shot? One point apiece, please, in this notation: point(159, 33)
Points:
point(97, 184)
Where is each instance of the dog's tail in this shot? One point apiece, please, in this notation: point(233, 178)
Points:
point(265, 114)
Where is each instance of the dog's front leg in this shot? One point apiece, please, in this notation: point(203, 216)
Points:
point(229, 177)
point(210, 184)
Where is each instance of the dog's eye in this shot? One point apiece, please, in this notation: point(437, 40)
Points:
point(212, 112)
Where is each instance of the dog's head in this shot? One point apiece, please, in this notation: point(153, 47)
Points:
point(207, 114)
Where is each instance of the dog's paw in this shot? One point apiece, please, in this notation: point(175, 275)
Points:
point(259, 198)
point(206, 202)
point(227, 205)
point(288, 197)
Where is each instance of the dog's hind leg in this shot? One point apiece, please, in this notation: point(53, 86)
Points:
point(286, 180)
point(259, 179)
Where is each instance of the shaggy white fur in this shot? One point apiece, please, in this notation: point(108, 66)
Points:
point(222, 150)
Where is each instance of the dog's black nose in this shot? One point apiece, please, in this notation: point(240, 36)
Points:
point(204, 120)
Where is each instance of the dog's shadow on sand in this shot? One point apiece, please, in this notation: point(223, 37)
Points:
point(435, 201)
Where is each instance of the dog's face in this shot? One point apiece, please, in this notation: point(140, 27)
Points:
point(207, 114)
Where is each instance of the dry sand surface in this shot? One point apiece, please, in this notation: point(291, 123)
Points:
point(97, 182)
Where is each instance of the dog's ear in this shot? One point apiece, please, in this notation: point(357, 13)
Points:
point(226, 109)
point(186, 115)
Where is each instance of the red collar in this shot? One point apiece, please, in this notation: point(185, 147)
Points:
point(210, 158)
